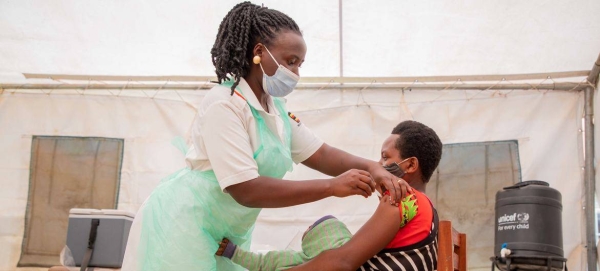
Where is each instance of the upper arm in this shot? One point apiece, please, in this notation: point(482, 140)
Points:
point(371, 238)
point(227, 144)
point(304, 142)
point(314, 161)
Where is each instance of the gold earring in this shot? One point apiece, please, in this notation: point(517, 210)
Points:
point(256, 59)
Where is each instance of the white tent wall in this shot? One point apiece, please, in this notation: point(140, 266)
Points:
point(546, 126)
point(380, 38)
point(146, 125)
point(538, 121)
point(142, 37)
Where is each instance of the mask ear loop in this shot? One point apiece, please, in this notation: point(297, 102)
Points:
point(417, 160)
point(398, 163)
point(261, 67)
point(404, 160)
point(263, 70)
point(271, 55)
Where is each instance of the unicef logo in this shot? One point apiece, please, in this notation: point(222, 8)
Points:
point(514, 221)
point(523, 217)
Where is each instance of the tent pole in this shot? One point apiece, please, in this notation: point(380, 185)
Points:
point(590, 171)
point(590, 182)
point(324, 80)
point(558, 86)
point(341, 31)
point(593, 76)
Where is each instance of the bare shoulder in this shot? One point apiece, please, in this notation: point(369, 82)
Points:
point(386, 207)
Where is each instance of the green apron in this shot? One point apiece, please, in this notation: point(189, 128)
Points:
point(188, 214)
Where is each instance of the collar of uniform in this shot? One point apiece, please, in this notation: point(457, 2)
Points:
point(253, 101)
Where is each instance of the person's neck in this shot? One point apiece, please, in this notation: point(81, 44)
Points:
point(420, 186)
point(416, 183)
point(257, 89)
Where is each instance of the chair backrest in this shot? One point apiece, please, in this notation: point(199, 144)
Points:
point(452, 248)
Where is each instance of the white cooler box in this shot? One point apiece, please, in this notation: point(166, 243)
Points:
point(111, 239)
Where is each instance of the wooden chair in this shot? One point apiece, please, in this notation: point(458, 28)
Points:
point(452, 248)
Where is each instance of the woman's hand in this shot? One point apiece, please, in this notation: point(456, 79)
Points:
point(353, 182)
point(397, 187)
point(222, 246)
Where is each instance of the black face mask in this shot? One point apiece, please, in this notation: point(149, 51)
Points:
point(395, 169)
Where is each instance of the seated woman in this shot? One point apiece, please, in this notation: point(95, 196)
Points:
point(403, 237)
point(396, 237)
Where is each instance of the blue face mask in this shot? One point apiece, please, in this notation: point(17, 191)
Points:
point(281, 83)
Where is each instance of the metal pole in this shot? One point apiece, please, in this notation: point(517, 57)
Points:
point(340, 30)
point(560, 86)
point(593, 76)
point(590, 170)
point(590, 180)
point(324, 80)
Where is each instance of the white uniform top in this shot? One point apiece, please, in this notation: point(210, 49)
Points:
point(225, 138)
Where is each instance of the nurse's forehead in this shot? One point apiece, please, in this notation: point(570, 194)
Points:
point(290, 42)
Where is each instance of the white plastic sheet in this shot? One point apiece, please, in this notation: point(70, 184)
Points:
point(380, 38)
point(545, 124)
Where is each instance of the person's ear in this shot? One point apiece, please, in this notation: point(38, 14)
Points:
point(257, 51)
point(413, 165)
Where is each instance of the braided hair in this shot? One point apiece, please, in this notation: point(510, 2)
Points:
point(245, 25)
